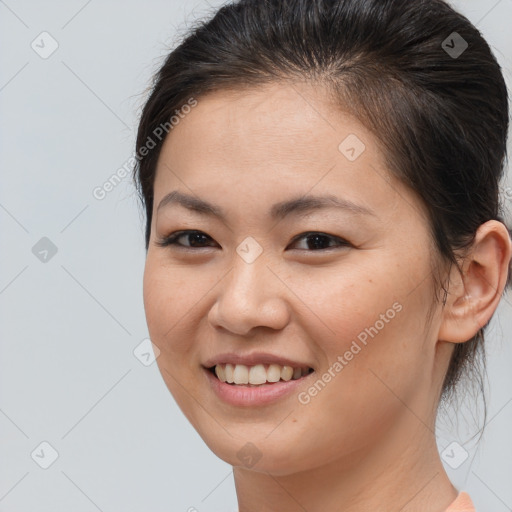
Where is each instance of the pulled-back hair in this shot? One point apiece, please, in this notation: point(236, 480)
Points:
point(416, 73)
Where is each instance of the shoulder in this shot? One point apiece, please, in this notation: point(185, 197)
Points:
point(462, 503)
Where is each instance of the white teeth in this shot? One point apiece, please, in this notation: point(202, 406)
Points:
point(220, 372)
point(257, 374)
point(241, 374)
point(229, 369)
point(274, 373)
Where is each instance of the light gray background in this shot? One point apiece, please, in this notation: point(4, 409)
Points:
point(68, 374)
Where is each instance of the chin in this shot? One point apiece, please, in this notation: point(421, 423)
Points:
point(262, 456)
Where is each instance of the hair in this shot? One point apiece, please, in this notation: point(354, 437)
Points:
point(441, 118)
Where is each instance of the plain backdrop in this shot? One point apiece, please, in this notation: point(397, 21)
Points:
point(76, 391)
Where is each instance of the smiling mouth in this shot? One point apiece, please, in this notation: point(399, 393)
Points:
point(257, 375)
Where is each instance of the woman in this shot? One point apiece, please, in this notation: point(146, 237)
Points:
point(324, 242)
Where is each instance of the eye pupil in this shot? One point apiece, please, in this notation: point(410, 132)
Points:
point(318, 241)
point(196, 239)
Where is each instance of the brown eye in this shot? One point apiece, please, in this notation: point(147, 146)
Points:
point(311, 241)
point(319, 241)
point(191, 238)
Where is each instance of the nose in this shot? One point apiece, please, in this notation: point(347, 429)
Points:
point(250, 296)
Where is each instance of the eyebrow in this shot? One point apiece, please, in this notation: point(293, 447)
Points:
point(301, 204)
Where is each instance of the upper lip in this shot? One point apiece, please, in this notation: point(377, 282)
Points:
point(253, 359)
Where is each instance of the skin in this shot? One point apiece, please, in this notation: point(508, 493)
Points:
point(366, 441)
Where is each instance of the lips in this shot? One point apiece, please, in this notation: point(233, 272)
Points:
point(255, 395)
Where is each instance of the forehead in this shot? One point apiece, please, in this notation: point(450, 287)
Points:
point(272, 141)
point(287, 121)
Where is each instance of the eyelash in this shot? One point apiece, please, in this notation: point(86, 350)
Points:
point(173, 238)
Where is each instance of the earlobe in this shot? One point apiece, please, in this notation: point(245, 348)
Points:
point(474, 296)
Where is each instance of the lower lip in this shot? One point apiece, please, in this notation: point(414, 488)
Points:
point(242, 395)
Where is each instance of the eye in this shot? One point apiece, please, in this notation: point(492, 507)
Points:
point(314, 241)
point(196, 239)
point(319, 241)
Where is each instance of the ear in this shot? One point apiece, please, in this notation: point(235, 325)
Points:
point(473, 296)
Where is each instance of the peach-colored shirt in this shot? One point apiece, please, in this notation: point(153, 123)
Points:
point(462, 503)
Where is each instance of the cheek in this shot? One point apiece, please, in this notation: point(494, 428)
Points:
point(169, 299)
point(372, 364)
point(171, 293)
point(343, 302)
point(371, 319)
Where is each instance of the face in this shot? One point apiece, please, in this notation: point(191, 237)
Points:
point(279, 239)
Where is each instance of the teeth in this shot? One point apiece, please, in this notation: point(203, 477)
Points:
point(257, 374)
point(228, 370)
point(220, 372)
point(241, 374)
point(273, 373)
point(286, 373)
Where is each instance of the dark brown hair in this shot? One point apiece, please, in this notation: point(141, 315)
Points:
point(416, 73)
